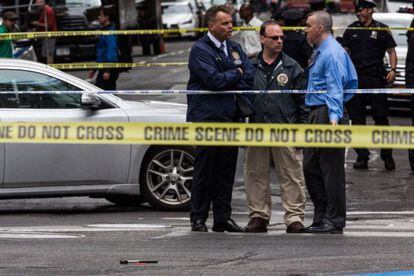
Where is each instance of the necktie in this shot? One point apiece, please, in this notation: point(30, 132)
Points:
point(313, 57)
point(222, 48)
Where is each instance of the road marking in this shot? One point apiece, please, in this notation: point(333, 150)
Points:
point(128, 226)
point(38, 236)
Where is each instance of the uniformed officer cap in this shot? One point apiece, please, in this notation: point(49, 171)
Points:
point(292, 14)
point(362, 4)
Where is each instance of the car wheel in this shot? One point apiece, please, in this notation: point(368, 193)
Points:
point(125, 200)
point(166, 177)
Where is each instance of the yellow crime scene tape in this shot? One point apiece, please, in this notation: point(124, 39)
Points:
point(34, 35)
point(106, 65)
point(223, 134)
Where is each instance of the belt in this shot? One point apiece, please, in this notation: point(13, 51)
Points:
point(313, 107)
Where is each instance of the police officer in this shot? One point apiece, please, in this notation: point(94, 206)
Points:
point(367, 50)
point(295, 45)
point(409, 82)
point(217, 64)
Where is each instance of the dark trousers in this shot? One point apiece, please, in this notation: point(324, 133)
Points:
point(379, 107)
point(213, 179)
point(109, 84)
point(411, 151)
point(325, 176)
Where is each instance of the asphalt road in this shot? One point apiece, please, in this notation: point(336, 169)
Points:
point(83, 236)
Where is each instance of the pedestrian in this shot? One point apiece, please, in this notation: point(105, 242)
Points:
point(217, 64)
point(276, 71)
point(367, 50)
point(331, 70)
point(409, 82)
point(249, 40)
point(106, 51)
point(8, 25)
point(46, 23)
point(295, 45)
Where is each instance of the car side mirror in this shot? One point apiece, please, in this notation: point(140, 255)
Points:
point(90, 100)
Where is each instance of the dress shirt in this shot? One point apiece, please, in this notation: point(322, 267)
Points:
point(332, 71)
point(250, 40)
point(218, 43)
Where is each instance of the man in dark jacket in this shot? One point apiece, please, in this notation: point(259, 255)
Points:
point(409, 82)
point(216, 64)
point(276, 71)
point(295, 45)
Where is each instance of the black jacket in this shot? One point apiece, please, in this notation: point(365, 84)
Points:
point(283, 107)
point(211, 69)
point(409, 62)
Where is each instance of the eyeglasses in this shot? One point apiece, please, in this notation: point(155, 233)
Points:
point(276, 37)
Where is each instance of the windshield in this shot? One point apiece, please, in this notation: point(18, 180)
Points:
point(176, 9)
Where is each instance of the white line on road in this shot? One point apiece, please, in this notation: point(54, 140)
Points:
point(38, 236)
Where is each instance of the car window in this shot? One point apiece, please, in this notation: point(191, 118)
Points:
point(18, 80)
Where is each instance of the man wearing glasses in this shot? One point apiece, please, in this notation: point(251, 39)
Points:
point(9, 22)
point(276, 71)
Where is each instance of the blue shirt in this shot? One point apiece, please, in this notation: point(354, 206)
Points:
point(332, 71)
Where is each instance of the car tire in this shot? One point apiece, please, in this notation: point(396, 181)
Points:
point(166, 177)
point(125, 200)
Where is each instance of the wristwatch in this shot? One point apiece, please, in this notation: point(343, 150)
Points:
point(393, 69)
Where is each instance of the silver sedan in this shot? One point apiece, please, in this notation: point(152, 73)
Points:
point(123, 174)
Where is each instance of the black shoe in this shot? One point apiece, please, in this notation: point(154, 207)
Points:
point(324, 229)
point(228, 226)
point(361, 164)
point(389, 163)
point(198, 226)
point(411, 159)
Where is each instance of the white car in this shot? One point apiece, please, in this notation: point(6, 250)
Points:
point(179, 15)
point(123, 174)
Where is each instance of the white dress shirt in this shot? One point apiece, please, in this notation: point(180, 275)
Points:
point(218, 43)
point(250, 40)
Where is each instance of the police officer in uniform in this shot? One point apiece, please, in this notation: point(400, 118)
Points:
point(367, 50)
point(295, 45)
point(409, 82)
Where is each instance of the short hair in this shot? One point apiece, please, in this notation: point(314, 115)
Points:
point(323, 18)
point(108, 12)
point(247, 6)
point(213, 11)
point(268, 23)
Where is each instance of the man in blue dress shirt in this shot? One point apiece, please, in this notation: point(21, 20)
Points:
point(330, 69)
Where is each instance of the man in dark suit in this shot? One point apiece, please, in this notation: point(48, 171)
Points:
point(216, 64)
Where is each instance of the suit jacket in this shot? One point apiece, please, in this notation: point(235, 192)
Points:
point(210, 69)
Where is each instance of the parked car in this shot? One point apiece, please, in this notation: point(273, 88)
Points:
point(398, 102)
point(123, 174)
point(179, 15)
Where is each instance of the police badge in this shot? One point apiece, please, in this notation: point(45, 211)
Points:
point(236, 58)
point(282, 79)
point(374, 34)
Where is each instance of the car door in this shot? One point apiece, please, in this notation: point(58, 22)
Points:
point(28, 165)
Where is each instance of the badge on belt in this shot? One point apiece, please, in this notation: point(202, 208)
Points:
point(236, 58)
point(282, 79)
